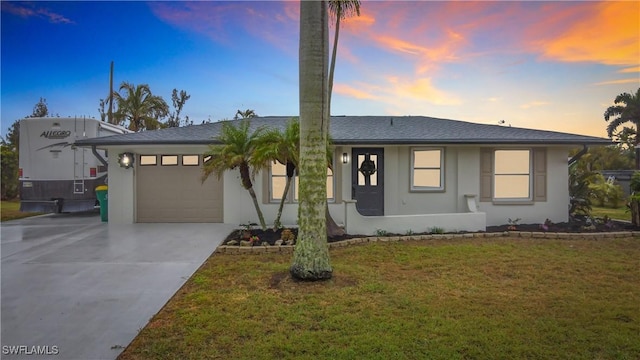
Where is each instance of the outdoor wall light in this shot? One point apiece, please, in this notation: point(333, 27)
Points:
point(126, 160)
point(345, 158)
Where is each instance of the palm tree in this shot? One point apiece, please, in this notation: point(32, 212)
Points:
point(341, 9)
point(236, 151)
point(285, 149)
point(626, 109)
point(247, 114)
point(140, 107)
point(311, 254)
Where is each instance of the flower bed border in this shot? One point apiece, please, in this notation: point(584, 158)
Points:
point(288, 249)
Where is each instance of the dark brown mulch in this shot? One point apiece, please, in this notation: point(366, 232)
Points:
point(271, 236)
point(576, 225)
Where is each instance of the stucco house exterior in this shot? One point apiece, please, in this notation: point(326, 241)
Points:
point(389, 173)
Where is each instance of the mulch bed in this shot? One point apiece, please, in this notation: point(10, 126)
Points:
point(576, 225)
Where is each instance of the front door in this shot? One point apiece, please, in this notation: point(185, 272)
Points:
point(367, 177)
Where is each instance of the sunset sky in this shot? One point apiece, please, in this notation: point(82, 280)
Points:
point(544, 65)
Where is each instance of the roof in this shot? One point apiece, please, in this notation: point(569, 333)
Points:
point(360, 130)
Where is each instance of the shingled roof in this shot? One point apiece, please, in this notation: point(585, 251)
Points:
point(360, 130)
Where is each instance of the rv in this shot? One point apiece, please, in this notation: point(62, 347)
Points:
point(55, 175)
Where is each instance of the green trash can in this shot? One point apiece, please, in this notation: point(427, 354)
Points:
point(102, 194)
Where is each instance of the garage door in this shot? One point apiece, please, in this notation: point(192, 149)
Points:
point(169, 190)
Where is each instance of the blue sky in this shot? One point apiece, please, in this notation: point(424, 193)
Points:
point(545, 65)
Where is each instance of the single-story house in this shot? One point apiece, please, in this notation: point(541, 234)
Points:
point(419, 172)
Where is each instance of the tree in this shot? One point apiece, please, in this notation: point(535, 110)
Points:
point(340, 9)
point(285, 149)
point(247, 114)
point(103, 114)
point(625, 110)
point(40, 109)
point(13, 136)
point(239, 145)
point(178, 99)
point(139, 107)
point(9, 183)
point(311, 253)
point(9, 163)
point(610, 157)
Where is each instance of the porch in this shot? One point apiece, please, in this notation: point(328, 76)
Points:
point(471, 221)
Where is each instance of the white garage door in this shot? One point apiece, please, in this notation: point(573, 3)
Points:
point(169, 189)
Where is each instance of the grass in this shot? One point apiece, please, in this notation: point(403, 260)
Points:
point(620, 213)
point(10, 210)
point(441, 299)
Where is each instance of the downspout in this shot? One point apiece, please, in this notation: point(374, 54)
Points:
point(98, 156)
point(577, 156)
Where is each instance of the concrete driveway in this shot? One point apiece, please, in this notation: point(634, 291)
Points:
point(76, 288)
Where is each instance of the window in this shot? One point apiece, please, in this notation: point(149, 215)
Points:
point(512, 175)
point(148, 160)
point(427, 169)
point(278, 182)
point(190, 160)
point(169, 160)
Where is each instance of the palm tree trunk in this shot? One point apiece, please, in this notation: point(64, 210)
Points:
point(333, 229)
point(247, 184)
point(257, 206)
point(311, 254)
point(333, 58)
point(276, 222)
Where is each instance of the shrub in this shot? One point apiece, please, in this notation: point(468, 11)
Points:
point(605, 192)
point(579, 191)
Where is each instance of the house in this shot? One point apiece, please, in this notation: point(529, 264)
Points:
point(389, 173)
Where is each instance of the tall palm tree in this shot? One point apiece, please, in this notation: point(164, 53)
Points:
point(237, 149)
point(626, 109)
point(139, 106)
point(311, 254)
point(341, 9)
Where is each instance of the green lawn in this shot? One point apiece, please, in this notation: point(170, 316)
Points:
point(441, 299)
point(10, 210)
point(620, 213)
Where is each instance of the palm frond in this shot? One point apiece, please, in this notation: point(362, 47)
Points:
point(344, 8)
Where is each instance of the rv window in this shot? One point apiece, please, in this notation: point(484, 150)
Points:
point(169, 160)
point(148, 160)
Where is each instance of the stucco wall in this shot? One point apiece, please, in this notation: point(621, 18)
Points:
point(121, 192)
point(462, 173)
point(555, 208)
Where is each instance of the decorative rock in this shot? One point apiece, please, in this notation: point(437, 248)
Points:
point(232, 242)
point(245, 243)
point(265, 243)
point(279, 242)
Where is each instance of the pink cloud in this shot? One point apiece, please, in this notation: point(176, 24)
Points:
point(26, 12)
point(605, 33)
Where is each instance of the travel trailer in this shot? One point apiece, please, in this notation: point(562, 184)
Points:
point(55, 175)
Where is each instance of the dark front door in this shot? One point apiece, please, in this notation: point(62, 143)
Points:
point(367, 176)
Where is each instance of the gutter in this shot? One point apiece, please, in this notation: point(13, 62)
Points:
point(577, 156)
point(98, 156)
